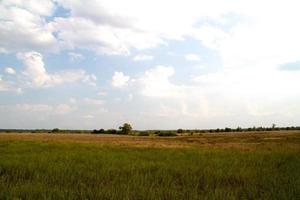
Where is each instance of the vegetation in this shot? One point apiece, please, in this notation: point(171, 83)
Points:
point(52, 170)
point(125, 129)
point(166, 133)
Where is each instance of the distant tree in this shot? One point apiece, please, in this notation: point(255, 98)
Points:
point(227, 129)
point(273, 126)
point(180, 131)
point(102, 131)
point(125, 129)
point(167, 133)
point(112, 131)
point(239, 129)
point(55, 130)
point(157, 132)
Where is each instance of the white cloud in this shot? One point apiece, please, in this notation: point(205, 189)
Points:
point(156, 82)
point(23, 26)
point(90, 80)
point(244, 31)
point(102, 93)
point(60, 109)
point(40, 7)
point(119, 80)
point(34, 107)
point(4, 86)
point(88, 116)
point(142, 57)
point(35, 70)
point(94, 102)
point(113, 27)
point(10, 70)
point(75, 56)
point(72, 100)
point(192, 57)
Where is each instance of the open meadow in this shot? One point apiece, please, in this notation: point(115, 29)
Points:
point(252, 165)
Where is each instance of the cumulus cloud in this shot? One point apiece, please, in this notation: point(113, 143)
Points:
point(62, 109)
point(90, 80)
point(4, 86)
point(142, 57)
point(250, 38)
point(93, 102)
point(23, 26)
point(106, 27)
point(35, 70)
point(88, 116)
point(156, 82)
point(119, 80)
point(59, 109)
point(192, 57)
point(75, 56)
point(10, 70)
point(113, 27)
point(72, 100)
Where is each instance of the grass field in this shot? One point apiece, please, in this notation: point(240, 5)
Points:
point(264, 165)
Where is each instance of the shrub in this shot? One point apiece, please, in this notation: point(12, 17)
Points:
point(111, 131)
point(168, 134)
point(125, 129)
point(143, 133)
point(227, 129)
point(56, 130)
point(180, 131)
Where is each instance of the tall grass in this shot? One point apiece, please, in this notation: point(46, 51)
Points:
point(37, 170)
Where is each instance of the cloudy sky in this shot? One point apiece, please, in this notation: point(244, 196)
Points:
point(159, 64)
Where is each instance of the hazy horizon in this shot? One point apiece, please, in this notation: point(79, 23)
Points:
point(169, 64)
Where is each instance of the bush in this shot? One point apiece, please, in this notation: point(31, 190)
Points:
point(167, 134)
point(227, 129)
point(125, 129)
point(143, 134)
point(111, 131)
point(100, 131)
point(56, 130)
point(180, 131)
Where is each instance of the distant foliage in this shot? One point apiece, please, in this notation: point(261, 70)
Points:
point(125, 129)
point(111, 131)
point(144, 133)
point(180, 131)
point(55, 130)
point(166, 133)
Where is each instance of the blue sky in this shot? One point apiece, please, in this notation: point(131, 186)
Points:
point(155, 64)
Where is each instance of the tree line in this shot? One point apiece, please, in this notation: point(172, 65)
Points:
point(126, 129)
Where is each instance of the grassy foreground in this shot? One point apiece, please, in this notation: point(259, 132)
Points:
point(68, 170)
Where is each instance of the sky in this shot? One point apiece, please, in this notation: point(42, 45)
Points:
point(156, 64)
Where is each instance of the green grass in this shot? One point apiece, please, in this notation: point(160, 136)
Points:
point(40, 170)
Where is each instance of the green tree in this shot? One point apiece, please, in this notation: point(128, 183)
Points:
point(180, 130)
point(125, 129)
point(55, 130)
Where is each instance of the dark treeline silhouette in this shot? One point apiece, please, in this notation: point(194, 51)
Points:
point(126, 129)
point(123, 130)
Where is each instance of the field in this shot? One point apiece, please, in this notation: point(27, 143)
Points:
point(254, 165)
